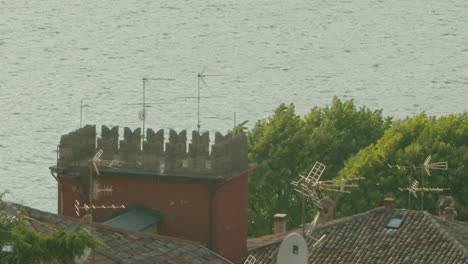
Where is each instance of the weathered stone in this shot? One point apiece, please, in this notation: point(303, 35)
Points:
point(176, 151)
point(153, 150)
point(78, 144)
point(130, 151)
point(108, 142)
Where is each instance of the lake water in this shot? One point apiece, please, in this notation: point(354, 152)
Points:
point(402, 56)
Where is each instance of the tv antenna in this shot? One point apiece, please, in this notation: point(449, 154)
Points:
point(81, 112)
point(201, 75)
point(414, 189)
point(94, 188)
point(427, 166)
point(89, 207)
point(142, 113)
point(311, 228)
point(309, 184)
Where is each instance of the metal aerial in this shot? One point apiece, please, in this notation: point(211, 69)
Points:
point(94, 187)
point(414, 189)
point(310, 230)
point(142, 114)
point(307, 185)
point(201, 75)
point(426, 167)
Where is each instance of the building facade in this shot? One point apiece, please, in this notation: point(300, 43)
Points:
point(198, 194)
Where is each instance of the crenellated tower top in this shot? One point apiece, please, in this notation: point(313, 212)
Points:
point(228, 153)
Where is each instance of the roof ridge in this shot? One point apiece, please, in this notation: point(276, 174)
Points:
point(321, 226)
point(434, 219)
point(350, 218)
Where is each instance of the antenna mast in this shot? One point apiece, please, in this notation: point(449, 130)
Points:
point(427, 167)
point(201, 77)
point(308, 186)
point(142, 114)
point(81, 114)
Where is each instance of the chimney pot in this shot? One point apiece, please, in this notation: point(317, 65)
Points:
point(389, 203)
point(444, 202)
point(279, 225)
point(450, 213)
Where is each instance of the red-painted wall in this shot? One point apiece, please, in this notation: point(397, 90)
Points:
point(231, 218)
point(185, 205)
point(67, 194)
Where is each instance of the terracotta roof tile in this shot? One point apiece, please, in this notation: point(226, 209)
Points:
point(421, 238)
point(126, 246)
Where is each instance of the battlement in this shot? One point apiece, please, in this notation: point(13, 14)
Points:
point(228, 153)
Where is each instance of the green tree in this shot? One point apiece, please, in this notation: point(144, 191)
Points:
point(30, 246)
point(276, 146)
point(285, 145)
point(340, 130)
point(409, 142)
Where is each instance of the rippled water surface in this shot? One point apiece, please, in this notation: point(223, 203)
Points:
point(402, 56)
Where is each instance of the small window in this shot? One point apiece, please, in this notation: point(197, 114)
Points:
point(394, 223)
point(295, 250)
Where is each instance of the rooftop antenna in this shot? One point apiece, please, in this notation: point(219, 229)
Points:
point(235, 119)
point(414, 189)
point(311, 228)
point(426, 167)
point(94, 187)
point(201, 75)
point(142, 113)
point(81, 114)
point(309, 184)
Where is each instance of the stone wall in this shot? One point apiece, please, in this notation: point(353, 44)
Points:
point(156, 154)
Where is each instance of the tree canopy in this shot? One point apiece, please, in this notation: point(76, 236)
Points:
point(409, 142)
point(286, 144)
point(24, 244)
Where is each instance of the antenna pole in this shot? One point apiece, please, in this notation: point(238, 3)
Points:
point(422, 193)
point(303, 215)
point(198, 105)
point(81, 114)
point(91, 180)
point(234, 119)
point(144, 110)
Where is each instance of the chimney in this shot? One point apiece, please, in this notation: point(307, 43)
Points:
point(450, 213)
point(444, 202)
point(389, 203)
point(328, 211)
point(279, 226)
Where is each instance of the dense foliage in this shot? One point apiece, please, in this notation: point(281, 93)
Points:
point(30, 246)
point(409, 142)
point(286, 144)
point(353, 142)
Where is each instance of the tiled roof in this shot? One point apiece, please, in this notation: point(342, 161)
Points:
point(362, 238)
point(127, 246)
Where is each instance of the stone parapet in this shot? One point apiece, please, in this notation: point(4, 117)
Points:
point(155, 154)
